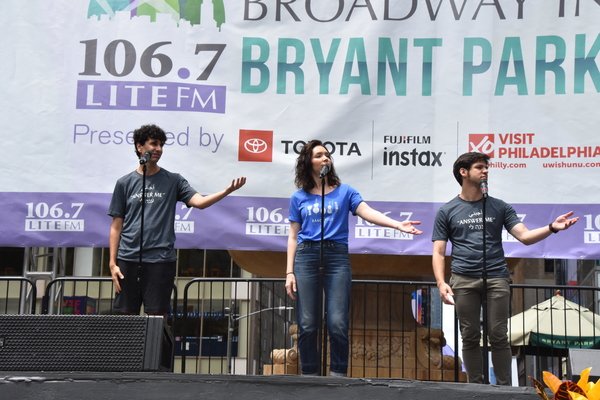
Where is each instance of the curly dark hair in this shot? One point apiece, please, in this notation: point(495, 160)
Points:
point(466, 161)
point(146, 132)
point(304, 179)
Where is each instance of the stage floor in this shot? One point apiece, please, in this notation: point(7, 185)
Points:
point(161, 385)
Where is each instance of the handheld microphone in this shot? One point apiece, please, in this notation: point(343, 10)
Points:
point(144, 159)
point(324, 171)
point(484, 187)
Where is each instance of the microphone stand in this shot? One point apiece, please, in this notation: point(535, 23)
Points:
point(142, 216)
point(322, 327)
point(322, 347)
point(484, 300)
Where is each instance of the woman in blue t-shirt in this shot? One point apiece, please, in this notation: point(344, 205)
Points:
point(303, 254)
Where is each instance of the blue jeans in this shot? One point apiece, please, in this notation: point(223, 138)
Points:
point(337, 282)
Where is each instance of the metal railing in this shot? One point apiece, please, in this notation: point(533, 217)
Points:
point(217, 312)
point(83, 295)
point(79, 295)
point(18, 295)
point(248, 326)
point(546, 322)
point(398, 329)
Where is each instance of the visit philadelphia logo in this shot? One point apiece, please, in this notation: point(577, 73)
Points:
point(187, 10)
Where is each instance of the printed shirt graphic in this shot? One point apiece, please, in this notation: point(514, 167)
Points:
point(163, 190)
point(305, 208)
point(461, 222)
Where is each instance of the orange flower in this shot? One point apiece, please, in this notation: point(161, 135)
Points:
point(567, 390)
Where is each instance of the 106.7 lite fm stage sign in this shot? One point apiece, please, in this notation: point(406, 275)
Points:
point(396, 88)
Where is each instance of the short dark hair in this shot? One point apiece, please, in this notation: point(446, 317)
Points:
point(466, 161)
point(146, 132)
point(304, 179)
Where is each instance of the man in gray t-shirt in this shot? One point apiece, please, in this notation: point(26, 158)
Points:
point(150, 281)
point(460, 221)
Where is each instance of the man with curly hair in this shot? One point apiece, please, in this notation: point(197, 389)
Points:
point(151, 281)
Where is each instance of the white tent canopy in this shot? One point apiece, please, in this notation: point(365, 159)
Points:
point(556, 322)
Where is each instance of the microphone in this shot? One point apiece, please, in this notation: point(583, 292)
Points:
point(324, 171)
point(144, 159)
point(484, 187)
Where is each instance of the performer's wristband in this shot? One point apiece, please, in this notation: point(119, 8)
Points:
point(552, 228)
point(289, 273)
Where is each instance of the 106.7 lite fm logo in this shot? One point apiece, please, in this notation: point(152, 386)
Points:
point(99, 94)
point(591, 233)
point(125, 60)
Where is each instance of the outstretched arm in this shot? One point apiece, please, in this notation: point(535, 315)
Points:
point(528, 237)
point(375, 217)
point(202, 202)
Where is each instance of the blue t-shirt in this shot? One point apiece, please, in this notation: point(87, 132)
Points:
point(461, 222)
point(305, 208)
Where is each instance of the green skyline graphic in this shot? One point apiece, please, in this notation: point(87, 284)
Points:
point(187, 10)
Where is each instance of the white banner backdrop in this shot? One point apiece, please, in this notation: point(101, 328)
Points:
point(398, 89)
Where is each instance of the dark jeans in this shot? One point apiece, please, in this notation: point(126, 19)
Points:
point(337, 282)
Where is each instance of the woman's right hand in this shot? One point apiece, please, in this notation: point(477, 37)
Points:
point(290, 285)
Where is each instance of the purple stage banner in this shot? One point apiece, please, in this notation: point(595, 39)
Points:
point(253, 223)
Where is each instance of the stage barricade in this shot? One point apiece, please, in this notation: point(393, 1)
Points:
point(249, 326)
point(17, 295)
point(232, 325)
point(79, 296)
point(398, 329)
point(83, 296)
point(546, 322)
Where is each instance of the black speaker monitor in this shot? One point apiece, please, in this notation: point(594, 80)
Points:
point(115, 343)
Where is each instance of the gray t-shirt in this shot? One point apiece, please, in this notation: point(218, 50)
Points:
point(163, 190)
point(461, 222)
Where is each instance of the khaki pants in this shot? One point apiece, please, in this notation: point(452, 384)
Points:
point(467, 296)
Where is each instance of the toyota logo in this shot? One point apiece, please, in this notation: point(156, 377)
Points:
point(255, 146)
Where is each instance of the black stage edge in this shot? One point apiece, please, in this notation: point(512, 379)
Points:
point(164, 385)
